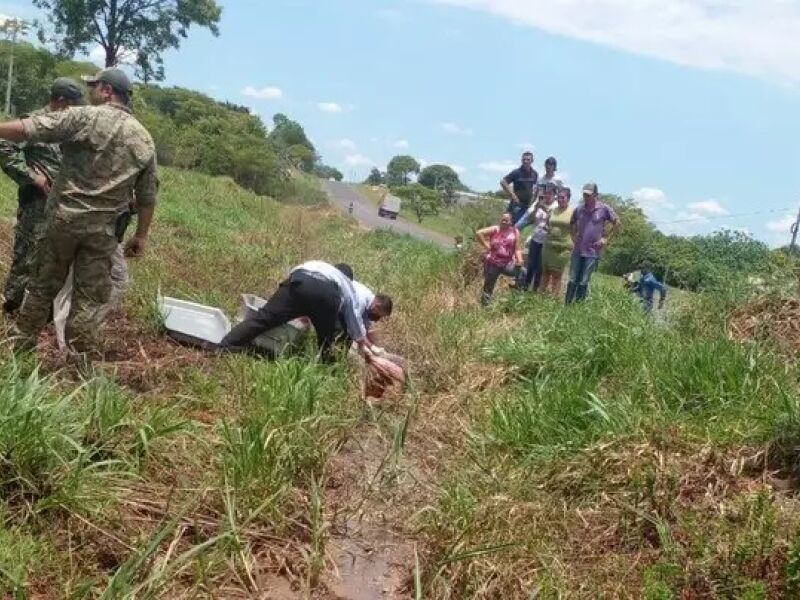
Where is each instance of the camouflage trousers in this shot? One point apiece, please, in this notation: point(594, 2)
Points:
point(30, 221)
point(120, 280)
point(86, 242)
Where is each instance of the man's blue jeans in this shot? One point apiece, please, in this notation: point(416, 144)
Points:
point(580, 273)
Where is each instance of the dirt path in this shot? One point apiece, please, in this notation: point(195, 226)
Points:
point(372, 555)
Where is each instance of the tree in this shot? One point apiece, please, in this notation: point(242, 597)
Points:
point(326, 172)
point(444, 180)
point(290, 141)
point(437, 176)
point(34, 71)
point(138, 29)
point(399, 169)
point(375, 177)
point(420, 200)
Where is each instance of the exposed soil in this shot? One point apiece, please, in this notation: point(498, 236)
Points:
point(769, 318)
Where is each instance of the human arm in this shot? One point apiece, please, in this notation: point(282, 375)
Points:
point(505, 184)
point(13, 163)
point(13, 131)
point(616, 227)
point(352, 320)
point(525, 219)
point(482, 235)
point(573, 227)
point(145, 206)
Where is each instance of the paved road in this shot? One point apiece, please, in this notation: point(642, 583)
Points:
point(341, 194)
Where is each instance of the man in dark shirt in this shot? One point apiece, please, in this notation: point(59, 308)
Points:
point(520, 186)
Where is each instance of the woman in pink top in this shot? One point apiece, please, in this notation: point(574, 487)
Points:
point(503, 255)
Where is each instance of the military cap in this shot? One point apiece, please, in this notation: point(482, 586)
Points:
point(114, 77)
point(67, 88)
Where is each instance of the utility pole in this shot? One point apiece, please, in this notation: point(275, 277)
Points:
point(794, 229)
point(11, 28)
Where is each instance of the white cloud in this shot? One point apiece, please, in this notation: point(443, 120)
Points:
point(330, 107)
point(526, 146)
point(359, 160)
point(497, 166)
point(345, 144)
point(455, 129)
point(265, 93)
point(400, 144)
point(782, 225)
point(689, 216)
point(753, 37)
point(649, 198)
point(708, 207)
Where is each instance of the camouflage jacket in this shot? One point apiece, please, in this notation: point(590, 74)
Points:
point(108, 158)
point(18, 161)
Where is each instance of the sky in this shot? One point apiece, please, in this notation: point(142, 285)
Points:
point(690, 107)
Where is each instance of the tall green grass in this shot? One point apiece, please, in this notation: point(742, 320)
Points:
point(603, 369)
point(291, 414)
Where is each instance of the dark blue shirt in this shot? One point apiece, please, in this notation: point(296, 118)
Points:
point(647, 286)
point(524, 183)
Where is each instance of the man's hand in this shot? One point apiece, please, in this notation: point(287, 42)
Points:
point(135, 246)
point(364, 349)
point(601, 243)
point(41, 183)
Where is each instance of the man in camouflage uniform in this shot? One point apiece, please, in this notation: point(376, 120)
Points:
point(33, 167)
point(109, 158)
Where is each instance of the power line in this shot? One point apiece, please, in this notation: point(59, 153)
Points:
point(733, 216)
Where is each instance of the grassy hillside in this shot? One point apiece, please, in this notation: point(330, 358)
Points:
point(540, 452)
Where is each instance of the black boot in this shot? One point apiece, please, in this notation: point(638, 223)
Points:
point(580, 292)
point(570, 298)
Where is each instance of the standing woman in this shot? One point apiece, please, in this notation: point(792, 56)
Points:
point(538, 216)
point(503, 254)
point(558, 244)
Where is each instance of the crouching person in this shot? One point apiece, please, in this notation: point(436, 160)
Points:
point(323, 293)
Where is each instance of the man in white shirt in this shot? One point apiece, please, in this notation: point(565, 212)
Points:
point(323, 293)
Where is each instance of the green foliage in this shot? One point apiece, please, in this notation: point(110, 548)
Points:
point(400, 168)
point(601, 370)
point(480, 214)
point(699, 262)
point(421, 200)
point(54, 445)
point(192, 131)
point(375, 177)
point(290, 408)
point(326, 172)
point(118, 26)
point(34, 71)
point(289, 140)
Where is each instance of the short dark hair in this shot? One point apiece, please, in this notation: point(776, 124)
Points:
point(346, 269)
point(551, 160)
point(386, 303)
point(527, 153)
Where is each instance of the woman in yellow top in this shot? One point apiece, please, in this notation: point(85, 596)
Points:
point(558, 245)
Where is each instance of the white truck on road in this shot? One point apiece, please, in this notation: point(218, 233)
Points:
point(389, 207)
